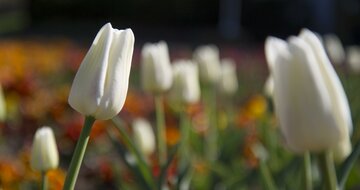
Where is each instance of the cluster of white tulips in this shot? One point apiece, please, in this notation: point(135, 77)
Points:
point(310, 103)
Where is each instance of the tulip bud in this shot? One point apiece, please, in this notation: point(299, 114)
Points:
point(208, 60)
point(156, 70)
point(334, 48)
point(228, 83)
point(2, 106)
point(308, 96)
point(44, 154)
point(186, 87)
point(144, 136)
point(353, 58)
point(101, 83)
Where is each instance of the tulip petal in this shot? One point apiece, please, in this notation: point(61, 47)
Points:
point(340, 106)
point(89, 83)
point(118, 71)
point(297, 84)
point(336, 91)
point(274, 47)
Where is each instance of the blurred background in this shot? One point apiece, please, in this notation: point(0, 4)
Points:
point(42, 43)
point(195, 21)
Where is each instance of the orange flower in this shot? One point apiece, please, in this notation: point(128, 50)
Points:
point(56, 179)
point(172, 135)
point(10, 175)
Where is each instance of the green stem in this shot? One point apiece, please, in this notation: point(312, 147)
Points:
point(160, 129)
point(266, 176)
point(184, 144)
point(43, 180)
point(78, 154)
point(307, 171)
point(145, 171)
point(348, 164)
point(327, 167)
point(211, 138)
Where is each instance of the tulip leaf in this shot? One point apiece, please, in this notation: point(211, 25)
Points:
point(345, 168)
point(122, 152)
point(165, 168)
point(143, 167)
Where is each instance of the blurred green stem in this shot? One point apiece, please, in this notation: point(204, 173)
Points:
point(145, 171)
point(327, 167)
point(307, 171)
point(43, 180)
point(184, 144)
point(266, 176)
point(211, 139)
point(79, 153)
point(348, 164)
point(160, 129)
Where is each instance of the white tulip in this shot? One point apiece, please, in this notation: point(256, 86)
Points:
point(156, 73)
point(208, 59)
point(186, 87)
point(269, 86)
point(228, 82)
point(2, 105)
point(101, 83)
point(334, 48)
point(309, 99)
point(44, 153)
point(353, 58)
point(144, 136)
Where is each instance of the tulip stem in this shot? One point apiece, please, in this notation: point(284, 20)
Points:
point(327, 167)
point(307, 171)
point(79, 153)
point(160, 129)
point(211, 139)
point(184, 144)
point(43, 180)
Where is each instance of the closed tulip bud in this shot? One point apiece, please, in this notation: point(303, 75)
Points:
point(2, 106)
point(334, 48)
point(309, 99)
point(101, 83)
point(208, 59)
point(156, 73)
point(44, 153)
point(228, 83)
point(144, 136)
point(353, 58)
point(186, 87)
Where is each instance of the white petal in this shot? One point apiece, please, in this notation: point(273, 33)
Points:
point(89, 83)
point(298, 84)
point(44, 153)
point(274, 47)
point(144, 135)
point(118, 72)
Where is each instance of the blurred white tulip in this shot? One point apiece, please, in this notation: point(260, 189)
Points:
point(228, 83)
point(2, 105)
point(208, 59)
point(144, 136)
point(269, 87)
point(334, 48)
point(44, 153)
point(156, 73)
point(186, 87)
point(101, 83)
point(353, 58)
point(309, 99)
